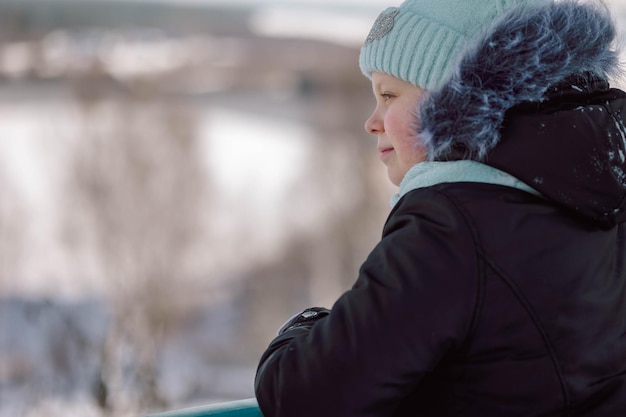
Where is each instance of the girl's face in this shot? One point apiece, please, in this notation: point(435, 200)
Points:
point(394, 121)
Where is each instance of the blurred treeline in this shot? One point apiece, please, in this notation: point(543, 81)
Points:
point(167, 284)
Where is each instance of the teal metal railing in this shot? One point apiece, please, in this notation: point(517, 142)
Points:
point(241, 408)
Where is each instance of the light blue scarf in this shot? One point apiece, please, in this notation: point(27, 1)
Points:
point(426, 174)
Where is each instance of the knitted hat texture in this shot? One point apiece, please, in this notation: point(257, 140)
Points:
point(421, 40)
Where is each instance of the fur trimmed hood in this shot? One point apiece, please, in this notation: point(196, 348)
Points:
point(531, 98)
point(515, 61)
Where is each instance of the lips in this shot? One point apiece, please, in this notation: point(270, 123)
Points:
point(384, 151)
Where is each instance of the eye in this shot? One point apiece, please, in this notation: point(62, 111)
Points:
point(387, 96)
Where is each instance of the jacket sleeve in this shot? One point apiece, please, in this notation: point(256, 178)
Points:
point(412, 303)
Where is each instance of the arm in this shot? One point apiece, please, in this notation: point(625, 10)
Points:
point(413, 302)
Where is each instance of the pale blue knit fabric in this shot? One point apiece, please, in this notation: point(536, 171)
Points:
point(427, 174)
point(421, 40)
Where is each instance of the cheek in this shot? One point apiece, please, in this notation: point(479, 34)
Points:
point(411, 153)
point(400, 127)
point(408, 147)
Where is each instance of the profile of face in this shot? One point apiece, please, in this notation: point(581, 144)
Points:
point(393, 121)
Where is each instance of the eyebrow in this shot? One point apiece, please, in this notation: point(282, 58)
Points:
point(381, 86)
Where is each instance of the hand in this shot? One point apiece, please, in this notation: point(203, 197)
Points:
point(305, 319)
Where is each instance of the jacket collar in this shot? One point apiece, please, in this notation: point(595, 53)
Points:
point(427, 174)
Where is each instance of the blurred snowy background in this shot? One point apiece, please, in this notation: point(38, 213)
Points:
point(176, 179)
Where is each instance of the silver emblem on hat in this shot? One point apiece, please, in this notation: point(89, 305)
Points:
point(383, 25)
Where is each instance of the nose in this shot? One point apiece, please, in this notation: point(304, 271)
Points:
point(374, 124)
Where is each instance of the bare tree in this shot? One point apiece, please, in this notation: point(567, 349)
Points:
point(347, 188)
point(136, 187)
point(346, 172)
point(12, 229)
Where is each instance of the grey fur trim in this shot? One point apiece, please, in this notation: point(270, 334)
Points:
point(516, 61)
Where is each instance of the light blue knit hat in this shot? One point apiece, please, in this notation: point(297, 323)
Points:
point(421, 40)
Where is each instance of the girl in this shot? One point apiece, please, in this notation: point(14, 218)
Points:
point(499, 285)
